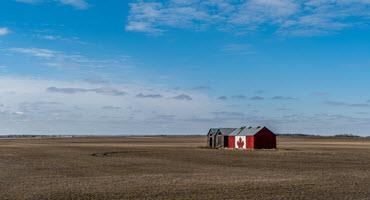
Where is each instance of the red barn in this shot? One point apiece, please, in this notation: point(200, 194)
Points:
point(252, 138)
point(244, 138)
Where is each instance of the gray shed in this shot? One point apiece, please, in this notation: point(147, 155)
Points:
point(217, 137)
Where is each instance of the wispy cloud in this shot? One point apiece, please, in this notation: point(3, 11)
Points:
point(105, 91)
point(228, 114)
point(4, 31)
point(64, 108)
point(65, 60)
point(286, 17)
point(37, 52)
point(78, 4)
point(50, 36)
point(201, 87)
point(29, 1)
point(40, 107)
point(341, 103)
point(152, 17)
point(320, 94)
point(183, 97)
point(283, 98)
point(237, 49)
point(141, 95)
point(222, 98)
point(257, 98)
point(259, 91)
point(111, 108)
point(95, 80)
point(283, 109)
point(239, 96)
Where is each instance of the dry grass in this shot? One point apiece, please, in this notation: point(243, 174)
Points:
point(178, 168)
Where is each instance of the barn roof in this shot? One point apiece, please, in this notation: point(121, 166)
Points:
point(223, 131)
point(226, 131)
point(246, 131)
point(243, 131)
point(213, 131)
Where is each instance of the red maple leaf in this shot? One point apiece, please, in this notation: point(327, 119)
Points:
point(240, 143)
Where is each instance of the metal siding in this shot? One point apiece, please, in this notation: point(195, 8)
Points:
point(213, 141)
point(209, 141)
point(219, 141)
point(265, 139)
point(250, 142)
point(273, 141)
point(231, 142)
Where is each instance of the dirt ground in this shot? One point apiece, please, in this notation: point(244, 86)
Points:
point(181, 168)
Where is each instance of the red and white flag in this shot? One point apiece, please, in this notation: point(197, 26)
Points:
point(240, 142)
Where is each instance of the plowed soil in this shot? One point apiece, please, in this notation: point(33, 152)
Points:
point(182, 168)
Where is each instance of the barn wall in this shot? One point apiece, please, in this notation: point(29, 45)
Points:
point(231, 142)
point(265, 139)
point(209, 144)
point(214, 137)
point(219, 141)
point(250, 142)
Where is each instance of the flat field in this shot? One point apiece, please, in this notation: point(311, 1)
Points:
point(181, 168)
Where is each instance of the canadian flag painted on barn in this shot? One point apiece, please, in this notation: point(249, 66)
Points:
point(240, 142)
point(258, 137)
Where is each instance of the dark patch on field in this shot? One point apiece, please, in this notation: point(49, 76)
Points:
point(111, 153)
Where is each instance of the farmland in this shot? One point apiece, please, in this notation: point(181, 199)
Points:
point(181, 168)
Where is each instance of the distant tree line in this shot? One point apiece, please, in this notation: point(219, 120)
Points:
point(313, 135)
point(35, 136)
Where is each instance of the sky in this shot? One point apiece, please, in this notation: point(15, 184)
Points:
point(184, 66)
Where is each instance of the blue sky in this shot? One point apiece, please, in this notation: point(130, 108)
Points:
point(183, 66)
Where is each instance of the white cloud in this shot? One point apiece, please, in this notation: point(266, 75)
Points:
point(152, 16)
point(40, 106)
point(29, 1)
point(37, 52)
point(52, 107)
point(4, 31)
point(286, 17)
point(49, 37)
point(237, 49)
point(78, 4)
point(64, 60)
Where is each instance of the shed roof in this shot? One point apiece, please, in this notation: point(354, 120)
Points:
point(226, 131)
point(213, 131)
point(246, 131)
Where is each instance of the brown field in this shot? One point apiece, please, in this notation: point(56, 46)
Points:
point(181, 168)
